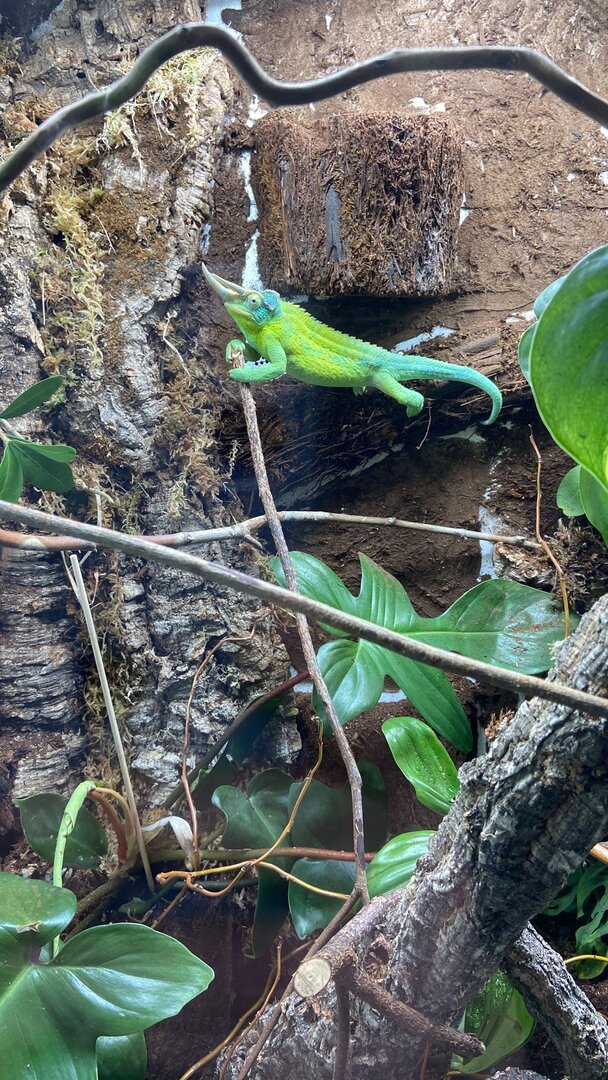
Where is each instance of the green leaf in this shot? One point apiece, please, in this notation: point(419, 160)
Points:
point(11, 474)
point(569, 364)
point(325, 820)
point(568, 496)
point(32, 912)
point(33, 397)
point(45, 466)
point(255, 819)
point(40, 820)
point(500, 622)
point(393, 866)
point(545, 297)
point(355, 671)
point(113, 980)
point(423, 761)
point(498, 1016)
point(524, 350)
point(430, 692)
point(122, 1057)
point(595, 502)
point(309, 910)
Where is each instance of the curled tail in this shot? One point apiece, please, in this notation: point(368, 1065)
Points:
point(405, 368)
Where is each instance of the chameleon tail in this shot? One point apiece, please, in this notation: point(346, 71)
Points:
point(424, 367)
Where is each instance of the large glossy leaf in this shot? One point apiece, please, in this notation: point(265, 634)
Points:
point(569, 364)
point(11, 474)
point(46, 467)
point(498, 1016)
point(123, 1057)
point(324, 818)
point(311, 911)
point(501, 622)
point(594, 498)
point(40, 820)
point(255, 819)
point(424, 761)
point(33, 397)
point(32, 912)
point(580, 493)
point(110, 980)
point(393, 866)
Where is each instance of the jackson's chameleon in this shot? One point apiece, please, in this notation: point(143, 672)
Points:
point(283, 339)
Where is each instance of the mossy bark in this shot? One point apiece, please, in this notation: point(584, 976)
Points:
point(96, 238)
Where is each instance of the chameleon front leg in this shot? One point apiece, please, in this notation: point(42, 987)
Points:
point(259, 369)
point(384, 381)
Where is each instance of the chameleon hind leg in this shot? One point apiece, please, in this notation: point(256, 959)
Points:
point(386, 382)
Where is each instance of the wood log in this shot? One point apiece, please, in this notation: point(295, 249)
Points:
point(358, 203)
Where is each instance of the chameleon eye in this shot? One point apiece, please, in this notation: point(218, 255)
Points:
point(254, 300)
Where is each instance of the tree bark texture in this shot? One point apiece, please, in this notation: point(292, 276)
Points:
point(525, 817)
point(95, 242)
point(358, 203)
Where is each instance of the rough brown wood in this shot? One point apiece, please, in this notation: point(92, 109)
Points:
point(358, 203)
point(94, 240)
point(525, 817)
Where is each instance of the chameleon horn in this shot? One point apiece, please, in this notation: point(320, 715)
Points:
point(226, 290)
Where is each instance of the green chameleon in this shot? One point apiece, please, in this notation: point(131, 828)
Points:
point(283, 339)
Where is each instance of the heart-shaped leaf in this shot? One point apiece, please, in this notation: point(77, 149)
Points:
point(46, 467)
point(40, 820)
point(423, 761)
point(116, 980)
point(309, 910)
point(393, 866)
point(11, 474)
point(569, 364)
point(122, 1057)
point(255, 819)
point(498, 1016)
point(33, 397)
point(324, 818)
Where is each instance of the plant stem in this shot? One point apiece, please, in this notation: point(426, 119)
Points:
point(81, 595)
point(68, 821)
point(310, 658)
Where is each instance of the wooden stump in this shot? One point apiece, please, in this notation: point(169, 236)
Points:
point(356, 203)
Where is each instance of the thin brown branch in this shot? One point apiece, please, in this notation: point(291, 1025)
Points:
point(543, 543)
point(401, 644)
point(359, 983)
point(310, 657)
point(242, 530)
point(195, 35)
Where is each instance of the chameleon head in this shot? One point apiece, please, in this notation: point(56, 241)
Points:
point(250, 309)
